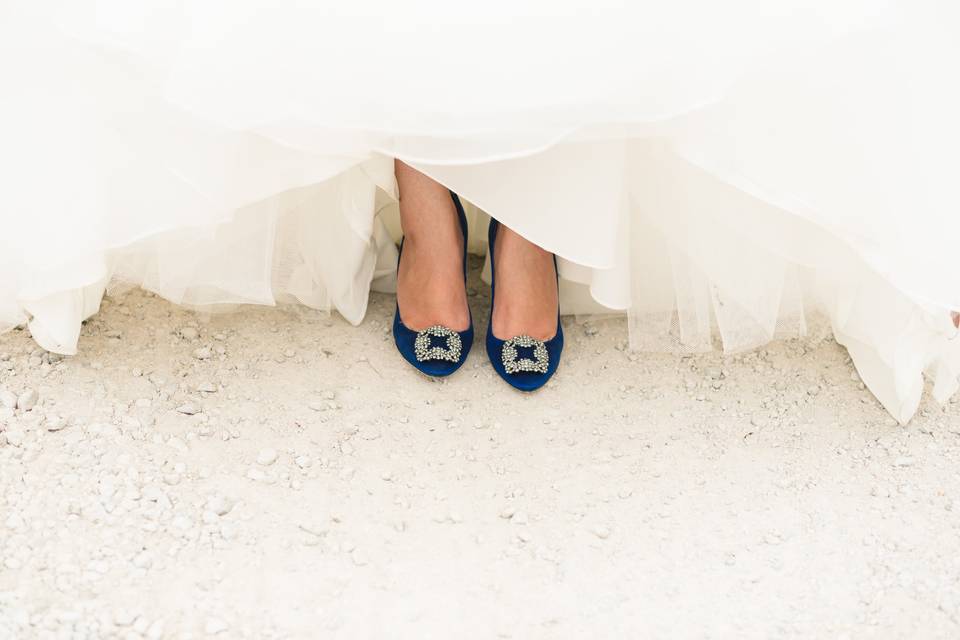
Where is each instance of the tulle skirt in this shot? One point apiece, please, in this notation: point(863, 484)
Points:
point(718, 171)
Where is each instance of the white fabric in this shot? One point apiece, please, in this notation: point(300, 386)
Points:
point(719, 170)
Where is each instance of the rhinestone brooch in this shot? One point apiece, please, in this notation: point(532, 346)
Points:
point(424, 349)
point(513, 364)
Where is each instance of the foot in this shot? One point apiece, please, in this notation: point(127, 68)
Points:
point(430, 288)
point(526, 289)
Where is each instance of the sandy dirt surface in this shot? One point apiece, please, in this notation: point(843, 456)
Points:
point(277, 473)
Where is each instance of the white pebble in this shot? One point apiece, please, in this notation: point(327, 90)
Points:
point(14, 521)
point(27, 400)
point(8, 399)
point(601, 531)
point(155, 630)
point(56, 423)
point(188, 408)
point(177, 443)
point(124, 617)
point(220, 505)
point(266, 457)
point(520, 517)
point(213, 626)
point(14, 437)
point(143, 560)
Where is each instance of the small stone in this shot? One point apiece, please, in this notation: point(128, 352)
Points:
point(155, 630)
point(189, 333)
point(266, 457)
point(880, 491)
point(903, 461)
point(601, 531)
point(56, 423)
point(14, 521)
point(228, 531)
point(303, 462)
point(14, 437)
point(27, 400)
point(203, 353)
point(213, 626)
point(219, 504)
point(188, 408)
point(8, 399)
point(177, 444)
point(124, 617)
point(143, 560)
point(207, 387)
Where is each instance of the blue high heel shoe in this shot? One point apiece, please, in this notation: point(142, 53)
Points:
point(524, 362)
point(437, 350)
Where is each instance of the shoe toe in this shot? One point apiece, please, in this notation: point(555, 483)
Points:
point(436, 368)
point(405, 339)
point(525, 380)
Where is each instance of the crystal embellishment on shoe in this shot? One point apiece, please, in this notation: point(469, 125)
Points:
point(512, 363)
point(424, 349)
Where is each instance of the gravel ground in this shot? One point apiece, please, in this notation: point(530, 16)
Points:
point(277, 473)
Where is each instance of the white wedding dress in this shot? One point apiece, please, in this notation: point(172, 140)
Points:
point(718, 170)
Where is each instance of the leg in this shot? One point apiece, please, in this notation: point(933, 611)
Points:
point(430, 286)
point(526, 288)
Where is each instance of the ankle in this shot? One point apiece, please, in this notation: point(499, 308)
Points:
point(509, 241)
